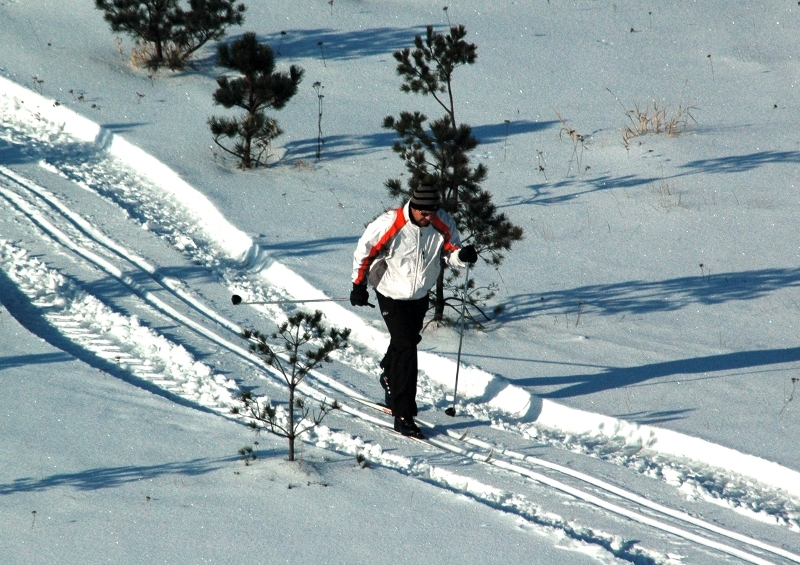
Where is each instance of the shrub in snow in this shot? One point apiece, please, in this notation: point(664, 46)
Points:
point(293, 362)
point(438, 154)
point(259, 88)
point(167, 34)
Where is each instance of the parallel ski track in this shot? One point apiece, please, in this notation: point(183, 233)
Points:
point(33, 200)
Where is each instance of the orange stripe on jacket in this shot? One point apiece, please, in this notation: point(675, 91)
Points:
point(399, 222)
point(441, 227)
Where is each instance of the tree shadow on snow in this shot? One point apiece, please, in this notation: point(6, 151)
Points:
point(618, 377)
point(110, 477)
point(740, 163)
point(337, 146)
point(15, 153)
point(645, 297)
point(500, 132)
point(341, 45)
point(306, 248)
point(324, 44)
point(34, 359)
point(570, 188)
point(547, 193)
point(654, 418)
point(345, 146)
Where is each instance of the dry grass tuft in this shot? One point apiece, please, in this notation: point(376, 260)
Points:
point(657, 119)
point(143, 55)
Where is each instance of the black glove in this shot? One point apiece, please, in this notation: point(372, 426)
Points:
point(359, 295)
point(467, 254)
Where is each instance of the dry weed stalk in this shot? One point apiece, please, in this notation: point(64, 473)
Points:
point(667, 195)
point(578, 142)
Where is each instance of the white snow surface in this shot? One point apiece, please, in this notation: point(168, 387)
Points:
point(646, 346)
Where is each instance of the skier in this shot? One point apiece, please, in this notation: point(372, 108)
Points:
point(400, 255)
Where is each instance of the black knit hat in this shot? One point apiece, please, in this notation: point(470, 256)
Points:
point(425, 197)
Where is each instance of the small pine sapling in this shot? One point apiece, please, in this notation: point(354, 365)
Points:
point(477, 298)
point(299, 331)
point(259, 87)
point(149, 21)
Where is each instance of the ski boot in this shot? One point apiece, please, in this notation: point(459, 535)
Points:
point(407, 427)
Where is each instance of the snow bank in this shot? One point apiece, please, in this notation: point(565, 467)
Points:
point(234, 241)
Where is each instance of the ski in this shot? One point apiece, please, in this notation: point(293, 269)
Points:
point(383, 408)
point(422, 440)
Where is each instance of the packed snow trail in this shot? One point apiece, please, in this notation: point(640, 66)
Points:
point(149, 356)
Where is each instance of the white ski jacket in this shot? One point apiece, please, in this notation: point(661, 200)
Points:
point(400, 259)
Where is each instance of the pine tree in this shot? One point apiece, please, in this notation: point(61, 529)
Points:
point(259, 88)
point(437, 153)
point(288, 359)
point(174, 33)
point(207, 20)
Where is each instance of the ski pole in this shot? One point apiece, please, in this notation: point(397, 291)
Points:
point(452, 410)
point(236, 299)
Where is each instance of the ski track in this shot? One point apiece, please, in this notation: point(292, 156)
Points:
point(146, 355)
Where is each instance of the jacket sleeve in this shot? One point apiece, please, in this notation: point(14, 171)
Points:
point(372, 242)
point(452, 240)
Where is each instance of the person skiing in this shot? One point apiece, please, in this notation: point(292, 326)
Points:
point(400, 254)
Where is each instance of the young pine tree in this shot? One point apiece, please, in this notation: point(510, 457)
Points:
point(288, 358)
point(206, 20)
point(173, 32)
point(259, 87)
point(438, 152)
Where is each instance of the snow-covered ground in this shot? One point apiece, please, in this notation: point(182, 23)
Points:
point(633, 402)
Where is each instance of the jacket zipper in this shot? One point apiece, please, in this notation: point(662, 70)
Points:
point(418, 262)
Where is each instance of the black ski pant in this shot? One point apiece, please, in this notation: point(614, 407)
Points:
point(404, 319)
